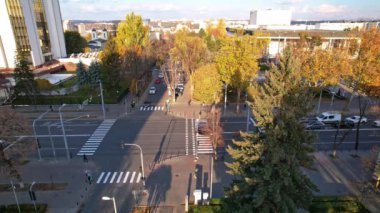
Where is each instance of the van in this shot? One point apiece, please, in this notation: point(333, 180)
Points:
point(330, 117)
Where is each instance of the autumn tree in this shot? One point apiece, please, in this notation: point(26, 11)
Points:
point(269, 164)
point(13, 150)
point(207, 84)
point(110, 61)
point(237, 62)
point(323, 68)
point(365, 76)
point(215, 35)
point(75, 43)
point(191, 51)
point(131, 33)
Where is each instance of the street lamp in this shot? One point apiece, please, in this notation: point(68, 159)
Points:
point(225, 98)
point(63, 131)
point(141, 156)
point(32, 195)
point(113, 200)
point(35, 134)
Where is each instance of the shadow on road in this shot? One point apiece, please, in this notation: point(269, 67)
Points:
point(158, 184)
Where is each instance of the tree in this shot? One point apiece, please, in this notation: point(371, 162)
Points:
point(82, 74)
point(131, 33)
point(94, 73)
point(110, 61)
point(13, 152)
point(25, 83)
point(207, 84)
point(190, 51)
point(75, 43)
point(237, 62)
point(268, 164)
point(365, 74)
point(322, 68)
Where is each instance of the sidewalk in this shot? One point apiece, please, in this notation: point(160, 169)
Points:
point(60, 201)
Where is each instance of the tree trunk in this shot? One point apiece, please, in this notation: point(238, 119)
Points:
point(319, 101)
point(238, 101)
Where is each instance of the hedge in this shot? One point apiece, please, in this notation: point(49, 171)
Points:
point(25, 208)
point(332, 204)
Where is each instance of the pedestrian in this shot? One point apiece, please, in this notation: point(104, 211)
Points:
point(189, 102)
point(85, 158)
point(51, 108)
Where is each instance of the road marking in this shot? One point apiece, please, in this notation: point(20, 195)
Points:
point(126, 177)
point(107, 176)
point(347, 142)
point(132, 177)
point(193, 134)
point(113, 177)
point(187, 137)
point(97, 137)
point(100, 177)
point(138, 178)
point(119, 178)
point(141, 108)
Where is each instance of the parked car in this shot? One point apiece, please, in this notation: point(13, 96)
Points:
point(330, 117)
point(152, 91)
point(315, 125)
point(376, 123)
point(160, 75)
point(356, 118)
point(345, 125)
point(157, 81)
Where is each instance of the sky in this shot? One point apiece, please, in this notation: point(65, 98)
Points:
point(216, 9)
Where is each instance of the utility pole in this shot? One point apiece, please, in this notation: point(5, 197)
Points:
point(101, 94)
point(63, 131)
point(34, 131)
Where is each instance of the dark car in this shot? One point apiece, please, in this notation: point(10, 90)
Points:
point(315, 125)
point(157, 81)
point(203, 128)
point(345, 124)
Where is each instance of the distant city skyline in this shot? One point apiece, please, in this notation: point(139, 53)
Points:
point(311, 10)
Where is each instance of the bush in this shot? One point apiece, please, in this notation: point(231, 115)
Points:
point(25, 208)
point(332, 204)
point(43, 84)
point(205, 209)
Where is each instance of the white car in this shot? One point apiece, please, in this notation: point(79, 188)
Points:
point(355, 119)
point(376, 123)
point(160, 75)
point(152, 91)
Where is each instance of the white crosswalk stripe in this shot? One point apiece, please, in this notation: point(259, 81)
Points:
point(152, 108)
point(129, 177)
point(92, 144)
point(204, 144)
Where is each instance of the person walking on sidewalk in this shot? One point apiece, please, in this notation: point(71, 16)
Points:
point(189, 102)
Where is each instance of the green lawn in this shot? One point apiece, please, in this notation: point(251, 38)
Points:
point(25, 208)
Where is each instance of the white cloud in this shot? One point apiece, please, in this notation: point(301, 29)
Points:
point(289, 2)
point(329, 8)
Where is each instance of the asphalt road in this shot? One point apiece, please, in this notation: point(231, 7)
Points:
point(324, 139)
point(118, 172)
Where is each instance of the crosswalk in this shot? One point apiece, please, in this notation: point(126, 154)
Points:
point(119, 177)
point(152, 108)
point(204, 144)
point(96, 138)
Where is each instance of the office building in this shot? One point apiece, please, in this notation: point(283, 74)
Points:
point(270, 17)
point(33, 26)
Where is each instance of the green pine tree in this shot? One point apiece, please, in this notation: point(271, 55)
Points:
point(25, 83)
point(94, 73)
point(82, 74)
point(269, 165)
point(110, 66)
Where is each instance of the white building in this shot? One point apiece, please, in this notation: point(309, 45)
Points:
point(270, 17)
point(68, 26)
point(340, 26)
point(33, 26)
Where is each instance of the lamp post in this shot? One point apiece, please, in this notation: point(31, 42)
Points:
point(49, 131)
point(113, 200)
point(141, 157)
point(32, 195)
point(63, 131)
point(247, 103)
point(35, 134)
point(225, 98)
point(101, 95)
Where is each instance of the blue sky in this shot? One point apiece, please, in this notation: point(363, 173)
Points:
point(214, 9)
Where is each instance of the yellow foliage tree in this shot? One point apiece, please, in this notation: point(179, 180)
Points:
point(237, 61)
point(207, 84)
